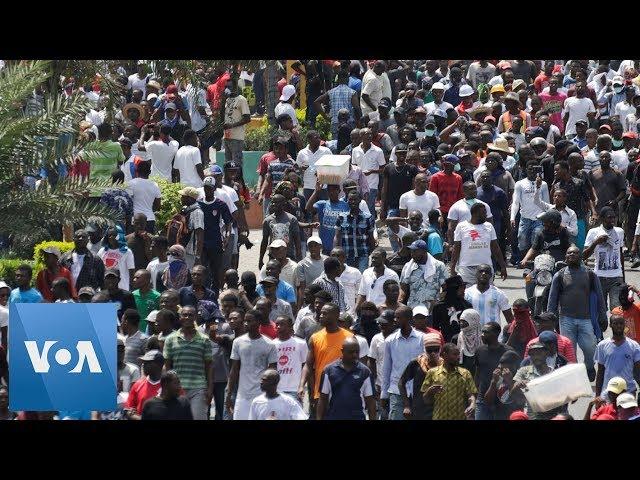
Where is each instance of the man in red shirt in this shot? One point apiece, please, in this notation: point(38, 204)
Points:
point(542, 80)
point(218, 79)
point(615, 387)
point(447, 184)
point(547, 322)
point(553, 101)
point(630, 311)
point(148, 386)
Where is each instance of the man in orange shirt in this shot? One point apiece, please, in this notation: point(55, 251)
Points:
point(629, 311)
point(325, 346)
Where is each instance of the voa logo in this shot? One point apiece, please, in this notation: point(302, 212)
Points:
point(40, 358)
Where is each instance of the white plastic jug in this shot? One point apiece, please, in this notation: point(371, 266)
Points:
point(332, 169)
point(558, 388)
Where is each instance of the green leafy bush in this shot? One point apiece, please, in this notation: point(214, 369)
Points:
point(170, 201)
point(38, 254)
point(258, 139)
point(8, 269)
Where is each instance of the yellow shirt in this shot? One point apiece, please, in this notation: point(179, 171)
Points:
point(457, 385)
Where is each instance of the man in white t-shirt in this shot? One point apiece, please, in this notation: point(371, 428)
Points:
point(486, 299)
point(605, 244)
point(475, 243)
point(350, 279)
point(577, 108)
point(480, 72)
point(373, 279)
point(419, 199)
point(272, 405)
point(460, 211)
point(161, 151)
point(138, 81)
point(306, 160)
point(146, 195)
point(292, 353)
point(372, 88)
point(523, 202)
point(437, 91)
point(187, 166)
point(236, 116)
point(371, 160)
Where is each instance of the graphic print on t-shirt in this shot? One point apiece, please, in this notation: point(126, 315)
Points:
point(608, 260)
point(280, 231)
point(112, 258)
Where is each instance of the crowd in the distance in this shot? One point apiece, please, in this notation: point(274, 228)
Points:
point(373, 298)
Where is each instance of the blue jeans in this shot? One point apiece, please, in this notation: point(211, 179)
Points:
point(526, 231)
point(396, 407)
point(484, 412)
point(371, 202)
point(265, 206)
point(361, 263)
point(393, 240)
point(580, 331)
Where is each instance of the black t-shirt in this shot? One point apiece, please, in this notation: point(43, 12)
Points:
point(125, 298)
point(547, 164)
point(487, 360)
point(159, 409)
point(419, 409)
point(556, 243)
point(400, 180)
point(523, 71)
point(578, 194)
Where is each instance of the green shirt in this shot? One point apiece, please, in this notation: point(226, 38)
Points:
point(188, 358)
point(146, 303)
point(104, 161)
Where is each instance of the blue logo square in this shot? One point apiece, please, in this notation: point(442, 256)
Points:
point(62, 356)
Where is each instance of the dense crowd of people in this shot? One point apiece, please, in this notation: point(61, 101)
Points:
point(375, 298)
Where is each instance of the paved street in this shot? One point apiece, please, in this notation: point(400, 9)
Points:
point(513, 287)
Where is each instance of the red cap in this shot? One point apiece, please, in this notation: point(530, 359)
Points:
point(519, 415)
point(172, 89)
point(605, 126)
point(630, 135)
point(489, 117)
point(557, 68)
point(504, 65)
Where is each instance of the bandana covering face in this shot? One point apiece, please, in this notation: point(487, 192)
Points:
point(469, 338)
point(526, 328)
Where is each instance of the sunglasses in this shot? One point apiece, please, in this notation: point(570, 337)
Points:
point(432, 349)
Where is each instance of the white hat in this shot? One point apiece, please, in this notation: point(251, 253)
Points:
point(4, 285)
point(618, 80)
point(420, 310)
point(438, 86)
point(287, 92)
point(465, 91)
point(314, 239)
point(151, 96)
point(626, 400)
point(278, 244)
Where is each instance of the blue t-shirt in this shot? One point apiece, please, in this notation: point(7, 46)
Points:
point(618, 361)
point(328, 213)
point(28, 296)
point(435, 245)
point(284, 291)
point(355, 83)
point(214, 213)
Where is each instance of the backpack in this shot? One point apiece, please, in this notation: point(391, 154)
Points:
point(177, 229)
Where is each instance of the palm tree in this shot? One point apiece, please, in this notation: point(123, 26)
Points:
point(38, 129)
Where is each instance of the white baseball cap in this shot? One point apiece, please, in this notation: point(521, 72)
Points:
point(314, 239)
point(626, 400)
point(4, 285)
point(437, 86)
point(420, 310)
point(287, 92)
point(278, 244)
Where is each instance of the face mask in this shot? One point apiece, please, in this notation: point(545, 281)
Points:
point(456, 168)
point(429, 132)
point(618, 89)
point(617, 143)
point(470, 202)
point(227, 92)
point(171, 258)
